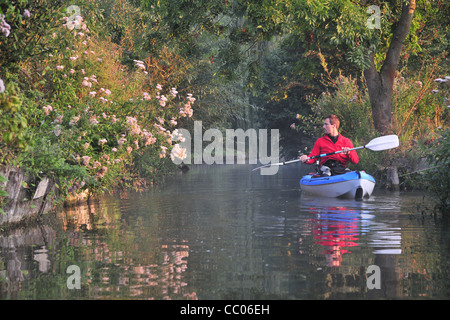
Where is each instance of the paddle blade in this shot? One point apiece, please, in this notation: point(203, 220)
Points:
point(383, 143)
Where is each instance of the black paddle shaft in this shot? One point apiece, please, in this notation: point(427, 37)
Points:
point(335, 152)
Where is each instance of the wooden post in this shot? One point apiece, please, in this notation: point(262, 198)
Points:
point(393, 181)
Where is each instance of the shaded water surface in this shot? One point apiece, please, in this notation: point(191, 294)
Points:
point(223, 232)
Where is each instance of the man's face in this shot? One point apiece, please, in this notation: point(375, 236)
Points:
point(327, 126)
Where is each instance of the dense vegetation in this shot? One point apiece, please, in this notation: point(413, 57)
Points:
point(92, 94)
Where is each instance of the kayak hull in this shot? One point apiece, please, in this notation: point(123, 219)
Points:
point(351, 185)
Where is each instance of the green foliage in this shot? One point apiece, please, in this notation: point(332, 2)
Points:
point(350, 102)
point(89, 115)
point(13, 124)
point(438, 177)
point(419, 103)
point(28, 37)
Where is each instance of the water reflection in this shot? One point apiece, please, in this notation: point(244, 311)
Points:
point(335, 228)
point(125, 257)
point(222, 233)
point(23, 255)
point(353, 236)
point(340, 225)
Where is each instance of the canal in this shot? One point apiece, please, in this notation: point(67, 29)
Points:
point(224, 232)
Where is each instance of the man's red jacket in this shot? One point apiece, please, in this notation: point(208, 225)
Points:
point(325, 145)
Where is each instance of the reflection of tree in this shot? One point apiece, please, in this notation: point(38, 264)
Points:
point(162, 279)
point(123, 261)
point(21, 249)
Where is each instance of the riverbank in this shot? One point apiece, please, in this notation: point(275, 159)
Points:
point(26, 197)
point(22, 201)
point(29, 197)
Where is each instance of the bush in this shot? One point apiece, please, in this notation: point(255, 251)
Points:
point(350, 103)
point(438, 177)
point(13, 123)
point(88, 116)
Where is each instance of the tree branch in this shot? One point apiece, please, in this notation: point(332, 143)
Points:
point(393, 55)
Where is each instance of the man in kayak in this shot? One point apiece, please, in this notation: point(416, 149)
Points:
point(332, 141)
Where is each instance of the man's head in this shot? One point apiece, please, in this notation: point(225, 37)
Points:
point(331, 125)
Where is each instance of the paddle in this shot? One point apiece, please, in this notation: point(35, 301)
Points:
point(377, 144)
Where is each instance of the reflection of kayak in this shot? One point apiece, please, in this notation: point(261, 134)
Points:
point(353, 185)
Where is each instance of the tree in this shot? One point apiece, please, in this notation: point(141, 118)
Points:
point(338, 32)
point(344, 28)
point(380, 83)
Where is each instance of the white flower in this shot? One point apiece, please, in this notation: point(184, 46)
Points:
point(74, 121)
point(57, 130)
point(176, 136)
point(5, 28)
point(86, 83)
point(2, 86)
point(190, 97)
point(47, 109)
point(178, 152)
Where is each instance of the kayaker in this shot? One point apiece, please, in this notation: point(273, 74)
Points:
point(332, 141)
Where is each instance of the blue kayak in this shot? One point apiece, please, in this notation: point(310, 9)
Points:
point(353, 185)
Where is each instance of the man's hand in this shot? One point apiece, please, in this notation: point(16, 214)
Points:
point(303, 158)
point(346, 150)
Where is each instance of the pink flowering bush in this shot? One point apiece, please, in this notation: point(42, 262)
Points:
point(95, 117)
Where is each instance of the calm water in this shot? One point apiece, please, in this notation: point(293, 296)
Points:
point(223, 232)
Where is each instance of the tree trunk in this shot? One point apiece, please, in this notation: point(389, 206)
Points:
point(381, 83)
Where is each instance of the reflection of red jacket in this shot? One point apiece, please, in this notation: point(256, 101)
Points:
point(325, 145)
